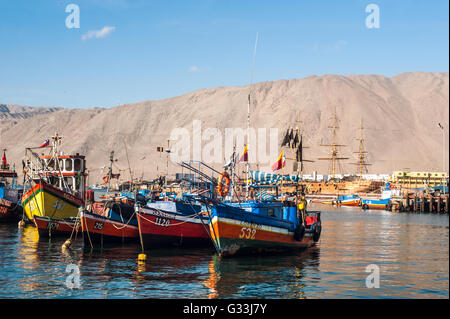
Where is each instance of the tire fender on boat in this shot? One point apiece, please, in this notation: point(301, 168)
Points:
point(299, 232)
point(317, 231)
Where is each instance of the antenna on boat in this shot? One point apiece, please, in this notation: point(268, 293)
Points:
point(129, 167)
point(248, 118)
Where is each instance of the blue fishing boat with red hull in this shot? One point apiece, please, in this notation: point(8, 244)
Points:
point(261, 227)
point(256, 226)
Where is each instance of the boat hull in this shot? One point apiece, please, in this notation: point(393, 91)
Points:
point(374, 204)
point(100, 229)
point(9, 212)
point(163, 229)
point(51, 227)
point(235, 237)
point(44, 200)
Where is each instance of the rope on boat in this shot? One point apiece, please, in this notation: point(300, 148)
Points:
point(207, 229)
point(89, 236)
point(125, 224)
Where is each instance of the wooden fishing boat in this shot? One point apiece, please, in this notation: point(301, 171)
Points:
point(116, 222)
point(10, 209)
point(253, 226)
point(173, 223)
point(258, 227)
point(57, 187)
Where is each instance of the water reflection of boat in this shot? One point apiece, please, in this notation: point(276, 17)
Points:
point(254, 277)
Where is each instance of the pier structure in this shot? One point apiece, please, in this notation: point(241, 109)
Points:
point(422, 203)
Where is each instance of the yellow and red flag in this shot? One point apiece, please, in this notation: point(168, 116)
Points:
point(244, 155)
point(280, 163)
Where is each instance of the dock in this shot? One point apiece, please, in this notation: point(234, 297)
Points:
point(420, 203)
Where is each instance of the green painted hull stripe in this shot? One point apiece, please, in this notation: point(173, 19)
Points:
point(40, 189)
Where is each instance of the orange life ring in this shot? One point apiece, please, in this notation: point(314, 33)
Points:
point(223, 186)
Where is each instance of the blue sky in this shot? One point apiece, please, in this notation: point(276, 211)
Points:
point(150, 50)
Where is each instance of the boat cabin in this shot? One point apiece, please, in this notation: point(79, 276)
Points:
point(286, 211)
point(68, 173)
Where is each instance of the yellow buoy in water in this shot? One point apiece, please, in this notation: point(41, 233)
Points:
point(67, 244)
point(142, 257)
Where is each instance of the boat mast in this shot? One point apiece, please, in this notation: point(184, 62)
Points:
point(334, 147)
point(111, 160)
point(362, 157)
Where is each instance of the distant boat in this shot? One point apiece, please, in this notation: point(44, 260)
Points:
point(381, 203)
point(344, 200)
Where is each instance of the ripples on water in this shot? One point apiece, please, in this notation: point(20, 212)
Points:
point(411, 251)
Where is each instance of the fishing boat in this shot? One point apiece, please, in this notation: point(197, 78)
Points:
point(381, 203)
point(258, 226)
point(109, 222)
point(344, 200)
point(57, 185)
point(254, 226)
point(10, 209)
point(173, 223)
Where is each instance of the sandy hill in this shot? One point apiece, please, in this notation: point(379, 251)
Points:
point(401, 116)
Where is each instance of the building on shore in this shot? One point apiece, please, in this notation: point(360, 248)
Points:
point(407, 179)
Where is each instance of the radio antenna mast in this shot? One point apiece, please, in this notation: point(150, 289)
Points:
point(247, 171)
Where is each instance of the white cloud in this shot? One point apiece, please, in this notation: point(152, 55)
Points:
point(193, 68)
point(98, 33)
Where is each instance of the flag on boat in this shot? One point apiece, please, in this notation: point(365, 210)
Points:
point(280, 163)
point(4, 162)
point(244, 155)
point(46, 143)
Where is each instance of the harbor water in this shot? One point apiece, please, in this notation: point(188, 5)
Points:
point(409, 253)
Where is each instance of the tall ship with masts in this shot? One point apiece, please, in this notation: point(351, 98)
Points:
point(56, 182)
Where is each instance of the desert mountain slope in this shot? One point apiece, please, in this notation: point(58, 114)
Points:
point(400, 114)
